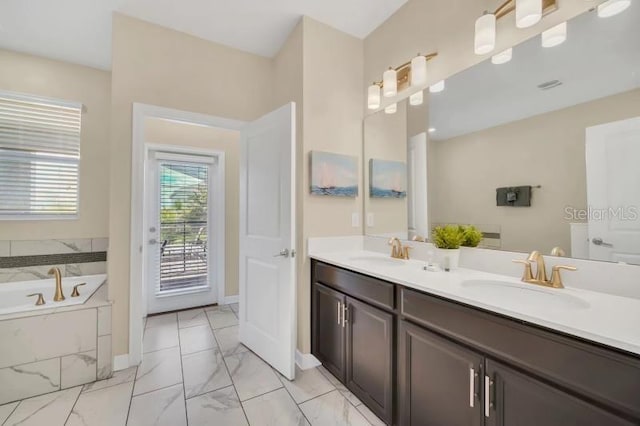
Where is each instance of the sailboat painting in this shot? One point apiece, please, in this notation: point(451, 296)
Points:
point(334, 174)
point(387, 179)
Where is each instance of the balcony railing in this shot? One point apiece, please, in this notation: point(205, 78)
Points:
point(183, 254)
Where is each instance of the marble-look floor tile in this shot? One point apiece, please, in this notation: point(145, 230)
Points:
point(251, 375)
point(77, 369)
point(195, 339)
point(6, 410)
point(307, 385)
point(222, 318)
point(118, 377)
point(235, 307)
point(274, 409)
point(49, 409)
point(23, 381)
point(161, 337)
point(343, 390)
point(158, 370)
point(228, 340)
point(161, 320)
point(104, 407)
point(164, 407)
point(332, 409)
point(222, 405)
point(204, 372)
point(370, 416)
point(218, 308)
point(192, 317)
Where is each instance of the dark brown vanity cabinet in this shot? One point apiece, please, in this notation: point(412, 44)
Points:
point(419, 360)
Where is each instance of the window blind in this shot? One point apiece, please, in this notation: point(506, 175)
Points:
point(39, 157)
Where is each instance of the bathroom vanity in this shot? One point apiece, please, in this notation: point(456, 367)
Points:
point(415, 357)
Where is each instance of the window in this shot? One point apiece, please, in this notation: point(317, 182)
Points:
point(39, 157)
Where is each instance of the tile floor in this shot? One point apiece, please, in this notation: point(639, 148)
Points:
point(195, 372)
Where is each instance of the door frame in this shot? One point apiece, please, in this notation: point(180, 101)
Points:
point(216, 219)
point(137, 303)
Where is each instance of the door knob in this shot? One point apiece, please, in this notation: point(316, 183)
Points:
point(598, 241)
point(283, 253)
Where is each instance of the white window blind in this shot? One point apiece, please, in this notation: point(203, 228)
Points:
point(39, 157)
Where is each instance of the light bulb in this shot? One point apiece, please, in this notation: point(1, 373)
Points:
point(554, 36)
point(528, 13)
point(416, 99)
point(485, 38)
point(390, 83)
point(391, 109)
point(437, 87)
point(502, 57)
point(373, 96)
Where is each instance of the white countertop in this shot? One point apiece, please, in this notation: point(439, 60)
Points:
point(603, 318)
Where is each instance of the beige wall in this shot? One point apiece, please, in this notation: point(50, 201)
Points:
point(547, 150)
point(43, 77)
point(446, 27)
point(165, 132)
point(158, 66)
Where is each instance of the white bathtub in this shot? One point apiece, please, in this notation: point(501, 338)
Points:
point(13, 296)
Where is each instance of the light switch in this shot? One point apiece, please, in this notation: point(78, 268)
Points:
point(355, 220)
point(370, 220)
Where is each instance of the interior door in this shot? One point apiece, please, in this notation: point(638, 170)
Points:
point(613, 179)
point(179, 265)
point(267, 239)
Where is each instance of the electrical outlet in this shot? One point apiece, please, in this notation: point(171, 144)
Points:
point(370, 220)
point(355, 220)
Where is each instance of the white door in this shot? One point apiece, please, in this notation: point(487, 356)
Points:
point(417, 186)
point(179, 265)
point(267, 239)
point(613, 191)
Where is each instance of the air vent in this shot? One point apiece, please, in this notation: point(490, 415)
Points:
point(550, 85)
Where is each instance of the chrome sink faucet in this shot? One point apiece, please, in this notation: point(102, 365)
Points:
point(59, 296)
point(541, 271)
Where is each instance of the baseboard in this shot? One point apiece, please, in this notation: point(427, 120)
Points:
point(228, 300)
point(121, 362)
point(306, 361)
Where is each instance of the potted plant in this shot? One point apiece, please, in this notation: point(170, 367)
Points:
point(448, 240)
point(472, 236)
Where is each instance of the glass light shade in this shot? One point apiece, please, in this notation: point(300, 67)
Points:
point(438, 87)
point(502, 57)
point(373, 96)
point(612, 7)
point(485, 38)
point(432, 129)
point(554, 36)
point(390, 83)
point(528, 13)
point(418, 71)
point(391, 109)
point(416, 99)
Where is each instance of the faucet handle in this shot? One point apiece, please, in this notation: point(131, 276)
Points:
point(556, 278)
point(527, 276)
point(40, 300)
point(75, 292)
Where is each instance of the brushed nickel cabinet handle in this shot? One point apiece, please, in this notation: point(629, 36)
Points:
point(345, 310)
point(339, 313)
point(472, 387)
point(487, 396)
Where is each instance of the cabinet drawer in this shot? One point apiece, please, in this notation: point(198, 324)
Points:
point(604, 376)
point(367, 289)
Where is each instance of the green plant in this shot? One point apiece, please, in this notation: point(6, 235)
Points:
point(472, 235)
point(447, 237)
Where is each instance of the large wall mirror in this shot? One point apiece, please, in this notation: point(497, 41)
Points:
point(541, 152)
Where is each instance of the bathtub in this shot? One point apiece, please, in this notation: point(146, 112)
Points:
point(13, 296)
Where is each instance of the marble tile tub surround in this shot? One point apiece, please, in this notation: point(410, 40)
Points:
point(25, 260)
point(55, 349)
point(603, 277)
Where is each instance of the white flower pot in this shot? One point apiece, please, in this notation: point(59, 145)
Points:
point(450, 258)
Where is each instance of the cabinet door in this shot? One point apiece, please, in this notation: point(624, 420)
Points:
point(370, 357)
point(328, 329)
point(514, 398)
point(438, 380)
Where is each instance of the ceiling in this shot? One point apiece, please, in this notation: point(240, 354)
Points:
point(601, 57)
point(79, 31)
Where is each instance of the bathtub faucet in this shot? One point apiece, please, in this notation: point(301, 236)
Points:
point(58, 297)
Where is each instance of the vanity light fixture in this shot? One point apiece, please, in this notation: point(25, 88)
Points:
point(554, 36)
point(612, 7)
point(394, 80)
point(528, 13)
point(391, 109)
point(416, 99)
point(437, 87)
point(502, 57)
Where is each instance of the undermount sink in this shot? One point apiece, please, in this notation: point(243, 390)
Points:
point(523, 293)
point(377, 259)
